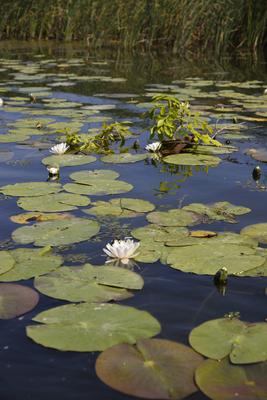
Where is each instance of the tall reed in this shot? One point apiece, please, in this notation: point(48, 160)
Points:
point(178, 25)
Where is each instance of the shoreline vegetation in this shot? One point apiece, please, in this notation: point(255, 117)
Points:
point(180, 26)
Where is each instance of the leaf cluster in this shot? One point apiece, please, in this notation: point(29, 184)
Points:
point(174, 120)
point(110, 133)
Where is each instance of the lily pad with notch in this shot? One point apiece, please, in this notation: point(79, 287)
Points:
point(152, 369)
point(192, 159)
point(98, 326)
point(57, 233)
point(99, 187)
point(30, 189)
point(53, 202)
point(174, 217)
point(30, 263)
point(222, 380)
point(123, 158)
point(211, 254)
point(244, 342)
point(89, 283)
point(68, 160)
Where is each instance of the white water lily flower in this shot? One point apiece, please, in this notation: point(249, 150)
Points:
point(52, 170)
point(60, 148)
point(122, 249)
point(153, 147)
point(1, 102)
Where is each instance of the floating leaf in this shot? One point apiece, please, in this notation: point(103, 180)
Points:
point(122, 207)
point(192, 159)
point(30, 263)
point(30, 189)
point(256, 231)
point(123, 158)
point(68, 160)
point(211, 255)
point(89, 283)
point(175, 217)
point(211, 150)
point(26, 218)
point(98, 326)
point(16, 300)
point(153, 232)
point(91, 176)
point(57, 233)
point(6, 261)
point(244, 342)
point(221, 380)
point(152, 369)
point(53, 202)
point(220, 211)
point(99, 187)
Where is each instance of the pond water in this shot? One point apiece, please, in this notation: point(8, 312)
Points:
point(120, 86)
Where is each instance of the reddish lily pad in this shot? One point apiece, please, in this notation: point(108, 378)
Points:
point(221, 380)
point(16, 300)
point(153, 369)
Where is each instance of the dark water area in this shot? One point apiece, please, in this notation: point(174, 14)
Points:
point(180, 301)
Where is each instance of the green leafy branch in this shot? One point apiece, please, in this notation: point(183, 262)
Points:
point(174, 120)
point(100, 143)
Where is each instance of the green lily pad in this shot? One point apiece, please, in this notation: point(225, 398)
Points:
point(30, 189)
point(30, 263)
point(175, 217)
point(99, 187)
point(122, 207)
point(192, 159)
point(244, 342)
point(91, 176)
point(221, 380)
point(147, 255)
point(11, 137)
point(211, 150)
point(57, 233)
point(98, 326)
point(16, 300)
point(89, 283)
point(68, 160)
point(137, 205)
point(53, 202)
point(157, 233)
point(7, 262)
point(123, 158)
point(256, 231)
point(152, 369)
point(220, 211)
point(209, 256)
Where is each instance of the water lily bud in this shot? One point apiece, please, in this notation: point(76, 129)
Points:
point(1, 102)
point(221, 276)
point(33, 98)
point(256, 173)
point(265, 91)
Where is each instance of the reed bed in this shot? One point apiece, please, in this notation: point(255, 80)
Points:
point(177, 25)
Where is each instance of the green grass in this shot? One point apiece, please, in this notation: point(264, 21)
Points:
point(178, 25)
